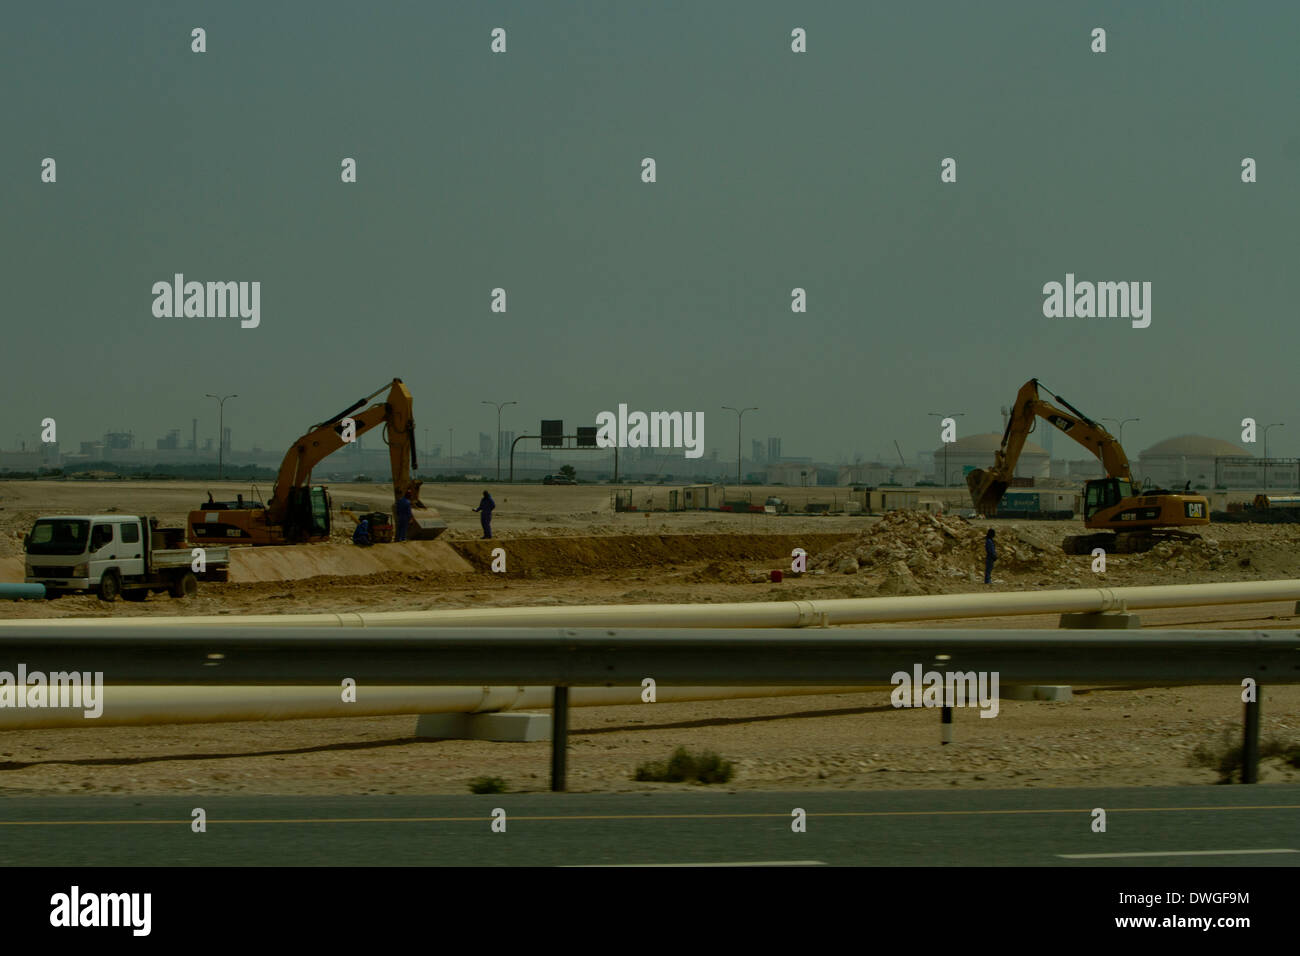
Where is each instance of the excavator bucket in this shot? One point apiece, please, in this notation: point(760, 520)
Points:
point(426, 526)
point(414, 489)
point(985, 491)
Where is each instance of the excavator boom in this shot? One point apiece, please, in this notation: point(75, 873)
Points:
point(1129, 521)
point(328, 437)
point(299, 512)
point(987, 486)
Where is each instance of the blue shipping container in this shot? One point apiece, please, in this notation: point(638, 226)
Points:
point(1019, 501)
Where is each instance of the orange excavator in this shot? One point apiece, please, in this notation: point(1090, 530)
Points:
point(1128, 521)
point(298, 511)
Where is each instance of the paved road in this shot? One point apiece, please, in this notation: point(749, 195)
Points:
point(1209, 825)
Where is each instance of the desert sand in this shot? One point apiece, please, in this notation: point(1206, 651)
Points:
point(566, 545)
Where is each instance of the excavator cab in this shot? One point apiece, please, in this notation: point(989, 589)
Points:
point(307, 517)
point(1103, 493)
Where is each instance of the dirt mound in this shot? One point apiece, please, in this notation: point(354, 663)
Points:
point(715, 572)
point(1199, 554)
point(1256, 516)
point(12, 570)
point(560, 556)
point(296, 562)
point(916, 553)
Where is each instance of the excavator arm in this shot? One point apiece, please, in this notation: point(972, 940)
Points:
point(987, 486)
point(395, 413)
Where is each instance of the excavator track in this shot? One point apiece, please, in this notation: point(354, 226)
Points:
point(1124, 542)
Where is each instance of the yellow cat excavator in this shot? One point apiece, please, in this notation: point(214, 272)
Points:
point(298, 511)
point(1129, 521)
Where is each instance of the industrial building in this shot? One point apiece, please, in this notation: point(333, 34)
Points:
point(1176, 461)
point(952, 460)
point(874, 473)
point(800, 472)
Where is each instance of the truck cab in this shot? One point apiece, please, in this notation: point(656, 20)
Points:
point(114, 555)
point(72, 552)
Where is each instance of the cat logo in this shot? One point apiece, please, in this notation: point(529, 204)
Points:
point(1195, 509)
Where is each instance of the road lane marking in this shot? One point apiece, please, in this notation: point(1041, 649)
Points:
point(590, 866)
point(643, 816)
point(1116, 856)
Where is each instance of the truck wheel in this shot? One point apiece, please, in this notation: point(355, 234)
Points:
point(110, 586)
point(184, 586)
point(135, 594)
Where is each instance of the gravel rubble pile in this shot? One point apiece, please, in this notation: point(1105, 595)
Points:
point(915, 552)
point(1196, 554)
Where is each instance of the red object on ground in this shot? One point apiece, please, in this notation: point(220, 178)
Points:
point(777, 577)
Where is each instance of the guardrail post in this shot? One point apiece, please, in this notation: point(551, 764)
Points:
point(1250, 745)
point(559, 737)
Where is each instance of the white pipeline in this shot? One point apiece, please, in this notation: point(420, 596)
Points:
point(141, 704)
point(749, 614)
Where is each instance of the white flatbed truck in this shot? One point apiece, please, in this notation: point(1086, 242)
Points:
point(117, 555)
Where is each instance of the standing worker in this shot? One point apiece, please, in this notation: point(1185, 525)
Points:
point(485, 514)
point(403, 511)
point(990, 555)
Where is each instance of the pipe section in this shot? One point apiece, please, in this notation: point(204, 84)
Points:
point(22, 592)
point(171, 704)
point(748, 614)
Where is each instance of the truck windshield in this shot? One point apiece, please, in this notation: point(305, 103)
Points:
point(58, 536)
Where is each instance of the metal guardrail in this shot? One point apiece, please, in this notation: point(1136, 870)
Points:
point(616, 656)
point(564, 657)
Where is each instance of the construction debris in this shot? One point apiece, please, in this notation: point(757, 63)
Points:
point(915, 552)
point(1199, 554)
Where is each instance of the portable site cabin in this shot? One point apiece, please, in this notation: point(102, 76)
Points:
point(698, 498)
point(897, 499)
point(879, 500)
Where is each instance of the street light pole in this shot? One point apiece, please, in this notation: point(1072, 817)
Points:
point(221, 432)
point(451, 450)
point(1121, 425)
point(740, 414)
point(940, 415)
point(499, 406)
point(1266, 428)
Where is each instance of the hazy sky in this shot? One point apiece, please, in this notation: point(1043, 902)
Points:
point(775, 170)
